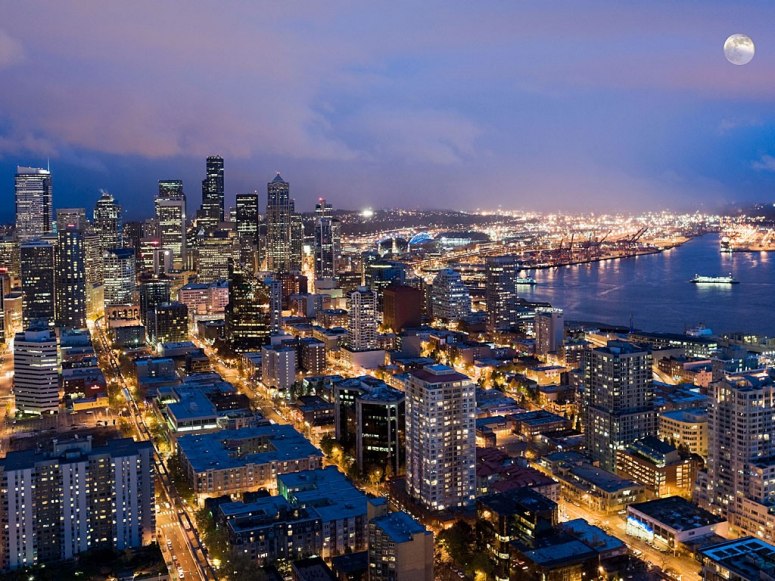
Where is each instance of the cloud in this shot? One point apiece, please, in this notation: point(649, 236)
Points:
point(11, 51)
point(764, 163)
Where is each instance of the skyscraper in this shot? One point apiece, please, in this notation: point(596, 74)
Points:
point(119, 275)
point(501, 274)
point(34, 209)
point(248, 314)
point(70, 288)
point(618, 394)
point(73, 497)
point(279, 209)
point(153, 292)
point(549, 330)
point(170, 207)
point(37, 259)
point(362, 320)
point(107, 222)
point(73, 217)
point(247, 229)
point(450, 299)
point(36, 371)
point(440, 437)
point(741, 453)
point(168, 323)
point(211, 211)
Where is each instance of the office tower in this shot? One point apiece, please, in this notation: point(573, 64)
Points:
point(118, 275)
point(400, 549)
point(247, 229)
point(153, 292)
point(34, 206)
point(362, 320)
point(275, 288)
point(741, 452)
point(450, 299)
point(549, 330)
point(214, 249)
point(380, 435)
point(618, 395)
point(380, 274)
point(73, 497)
point(93, 266)
point(168, 323)
point(9, 256)
point(37, 259)
point(71, 217)
point(36, 371)
point(293, 283)
point(4, 327)
point(70, 287)
point(501, 274)
point(171, 218)
point(171, 190)
point(327, 242)
point(107, 222)
point(248, 314)
point(211, 211)
point(297, 240)
point(440, 437)
point(279, 209)
point(402, 307)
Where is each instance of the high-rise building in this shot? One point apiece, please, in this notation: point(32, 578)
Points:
point(380, 434)
point(247, 229)
point(618, 399)
point(34, 207)
point(72, 217)
point(501, 274)
point(297, 240)
point(248, 314)
point(168, 323)
point(36, 371)
point(119, 275)
point(211, 211)
point(37, 260)
point(362, 320)
point(214, 250)
point(93, 265)
point(440, 437)
point(278, 366)
point(400, 549)
point(450, 299)
point(153, 292)
point(73, 497)
point(741, 453)
point(279, 209)
point(171, 218)
point(70, 287)
point(380, 274)
point(327, 241)
point(549, 330)
point(402, 307)
point(107, 222)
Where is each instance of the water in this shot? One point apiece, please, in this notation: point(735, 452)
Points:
point(655, 290)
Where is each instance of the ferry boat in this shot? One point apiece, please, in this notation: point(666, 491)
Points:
point(526, 280)
point(698, 279)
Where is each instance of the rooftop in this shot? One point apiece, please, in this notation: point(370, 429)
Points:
point(236, 448)
point(438, 373)
point(399, 526)
point(564, 552)
point(747, 557)
point(326, 492)
point(676, 513)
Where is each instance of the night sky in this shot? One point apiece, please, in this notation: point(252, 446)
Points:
point(589, 105)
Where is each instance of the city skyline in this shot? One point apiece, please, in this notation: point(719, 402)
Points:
point(632, 108)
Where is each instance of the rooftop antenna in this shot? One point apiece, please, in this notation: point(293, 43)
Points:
point(631, 327)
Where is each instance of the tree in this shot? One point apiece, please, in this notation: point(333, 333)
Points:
point(459, 542)
point(375, 475)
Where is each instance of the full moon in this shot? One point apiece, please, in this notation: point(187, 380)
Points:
point(739, 49)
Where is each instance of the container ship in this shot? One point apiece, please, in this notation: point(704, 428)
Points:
point(698, 279)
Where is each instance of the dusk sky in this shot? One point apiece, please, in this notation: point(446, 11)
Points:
point(571, 106)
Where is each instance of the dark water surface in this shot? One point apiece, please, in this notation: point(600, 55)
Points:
point(655, 290)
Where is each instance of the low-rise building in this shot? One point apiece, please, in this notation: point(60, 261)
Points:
point(658, 465)
point(744, 559)
point(234, 461)
point(668, 523)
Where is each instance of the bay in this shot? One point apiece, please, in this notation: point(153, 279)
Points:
point(655, 290)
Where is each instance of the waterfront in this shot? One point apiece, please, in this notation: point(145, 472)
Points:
point(655, 290)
